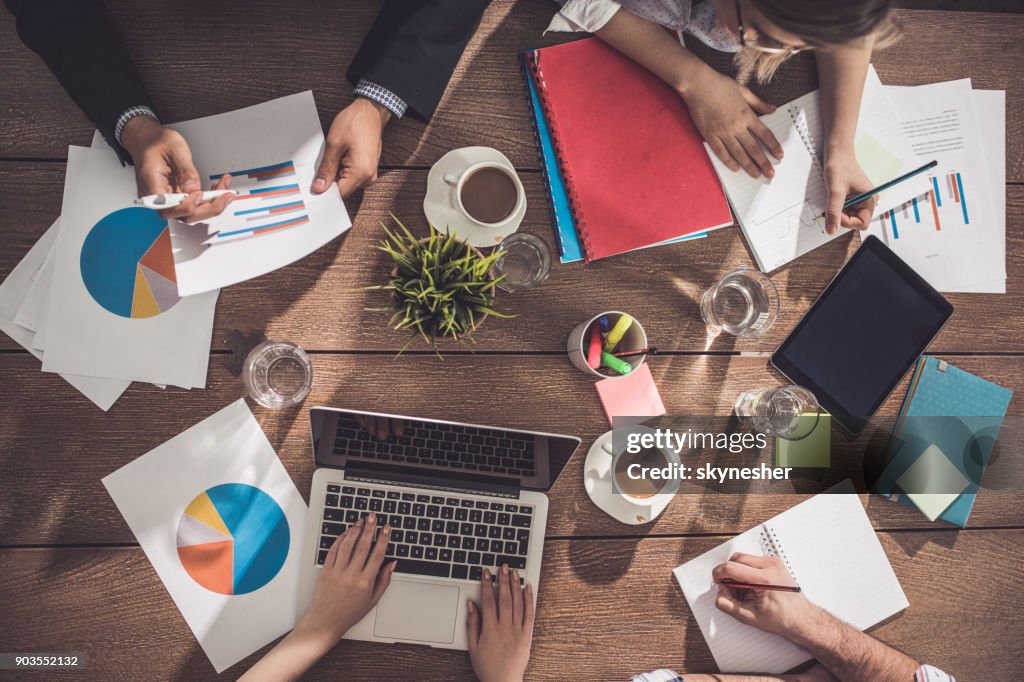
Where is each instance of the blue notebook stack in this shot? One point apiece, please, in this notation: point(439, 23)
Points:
point(954, 410)
point(561, 215)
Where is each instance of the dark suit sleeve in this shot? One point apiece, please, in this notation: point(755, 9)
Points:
point(84, 51)
point(413, 47)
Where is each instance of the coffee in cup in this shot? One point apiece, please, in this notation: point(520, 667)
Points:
point(640, 488)
point(489, 194)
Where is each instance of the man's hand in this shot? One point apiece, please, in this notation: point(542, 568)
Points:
point(844, 178)
point(353, 147)
point(726, 114)
point(351, 582)
point(501, 629)
point(163, 164)
point(781, 613)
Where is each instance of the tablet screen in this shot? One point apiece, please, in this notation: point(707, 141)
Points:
point(863, 334)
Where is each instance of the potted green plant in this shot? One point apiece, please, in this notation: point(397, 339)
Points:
point(441, 288)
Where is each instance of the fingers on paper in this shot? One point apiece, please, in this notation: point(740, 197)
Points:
point(328, 170)
point(742, 158)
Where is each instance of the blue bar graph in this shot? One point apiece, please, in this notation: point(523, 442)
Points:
point(963, 200)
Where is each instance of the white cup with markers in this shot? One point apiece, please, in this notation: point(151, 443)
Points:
point(610, 344)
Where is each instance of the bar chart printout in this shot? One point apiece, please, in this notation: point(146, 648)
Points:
point(944, 206)
point(269, 199)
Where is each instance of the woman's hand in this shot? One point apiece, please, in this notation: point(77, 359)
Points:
point(501, 629)
point(351, 582)
point(163, 165)
point(844, 178)
point(726, 114)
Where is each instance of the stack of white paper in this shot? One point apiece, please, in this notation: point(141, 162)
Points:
point(954, 235)
point(115, 293)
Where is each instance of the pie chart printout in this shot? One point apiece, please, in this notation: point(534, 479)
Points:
point(233, 539)
point(127, 263)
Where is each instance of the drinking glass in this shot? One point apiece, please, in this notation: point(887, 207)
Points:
point(277, 374)
point(789, 412)
point(525, 263)
point(744, 303)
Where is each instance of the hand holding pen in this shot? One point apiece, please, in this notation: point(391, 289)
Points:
point(760, 592)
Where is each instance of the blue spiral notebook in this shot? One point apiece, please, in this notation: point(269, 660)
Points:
point(971, 411)
point(561, 215)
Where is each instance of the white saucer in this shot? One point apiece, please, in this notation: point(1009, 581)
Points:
point(439, 205)
point(597, 479)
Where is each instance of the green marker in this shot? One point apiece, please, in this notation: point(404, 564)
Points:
point(614, 363)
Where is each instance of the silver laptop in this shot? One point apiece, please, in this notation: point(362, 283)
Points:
point(459, 497)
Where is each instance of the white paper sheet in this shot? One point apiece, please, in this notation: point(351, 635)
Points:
point(153, 494)
point(87, 337)
point(949, 235)
point(231, 248)
point(990, 107)
point(29, 310)
point(102, 392)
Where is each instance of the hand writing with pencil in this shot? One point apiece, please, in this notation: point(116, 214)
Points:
point(776, 611)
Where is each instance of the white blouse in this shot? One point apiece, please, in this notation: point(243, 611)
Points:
point(682, 16)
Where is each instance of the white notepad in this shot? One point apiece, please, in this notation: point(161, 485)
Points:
point(831, 551)
point(782, 218)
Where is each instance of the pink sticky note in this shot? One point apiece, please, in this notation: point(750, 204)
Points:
point(634, 395)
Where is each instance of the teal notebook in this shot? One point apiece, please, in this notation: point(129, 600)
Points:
point(971, 411)
point(558, 200)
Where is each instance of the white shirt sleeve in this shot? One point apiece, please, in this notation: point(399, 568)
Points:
point(583, 15)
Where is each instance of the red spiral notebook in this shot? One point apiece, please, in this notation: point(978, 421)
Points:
point(634, 165)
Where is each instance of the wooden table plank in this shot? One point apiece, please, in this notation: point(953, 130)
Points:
point(55, 448)
point(183, 62)
point(616, 598)
point(321, 304)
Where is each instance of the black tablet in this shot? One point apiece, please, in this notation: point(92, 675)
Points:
point(865, 331)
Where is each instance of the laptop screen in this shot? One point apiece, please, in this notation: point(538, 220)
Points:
point(441, 454)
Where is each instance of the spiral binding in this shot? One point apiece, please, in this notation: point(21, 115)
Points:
point(570, 187)
point(799, 118)
point(772, 546)
point(525, 58)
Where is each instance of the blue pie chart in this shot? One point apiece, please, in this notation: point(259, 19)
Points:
point(127, 264)
point(233, 538)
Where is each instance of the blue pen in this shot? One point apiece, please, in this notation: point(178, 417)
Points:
point(604, 324)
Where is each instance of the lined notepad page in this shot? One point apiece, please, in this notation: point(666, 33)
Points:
point(782, 219)
point(735, 646)
point(836, 559)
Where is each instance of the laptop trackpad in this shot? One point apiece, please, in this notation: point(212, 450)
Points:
point(418, 611)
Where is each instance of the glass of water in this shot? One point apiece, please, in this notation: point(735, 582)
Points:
point(525, 263)
point(277, 374)
point(744, 303)
point(789, 412)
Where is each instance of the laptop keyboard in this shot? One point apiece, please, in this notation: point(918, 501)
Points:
point(445, 536)
point(447, 445)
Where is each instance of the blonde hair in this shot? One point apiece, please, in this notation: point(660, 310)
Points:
point(821, 24)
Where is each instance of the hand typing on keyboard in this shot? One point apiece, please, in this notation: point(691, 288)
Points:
point(501, 629)
point(352, 580)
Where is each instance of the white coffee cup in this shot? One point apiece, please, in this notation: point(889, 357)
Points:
point(599, 471)
point(457, 181)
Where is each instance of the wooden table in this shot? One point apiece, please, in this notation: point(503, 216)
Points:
point(72, 576)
